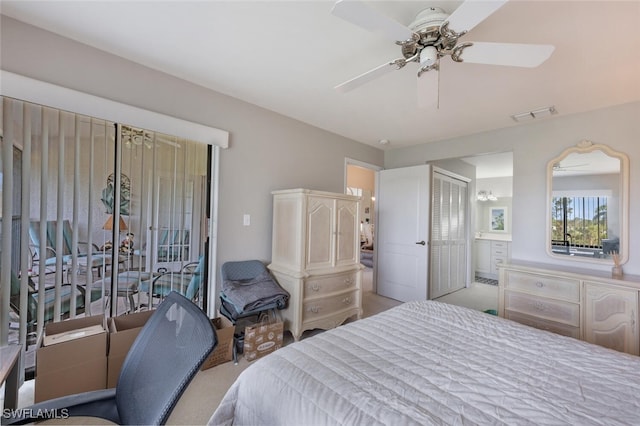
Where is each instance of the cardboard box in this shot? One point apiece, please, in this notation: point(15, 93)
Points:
point(261, 339)
point(224, 349)
point(77, 363)
point(123, 331)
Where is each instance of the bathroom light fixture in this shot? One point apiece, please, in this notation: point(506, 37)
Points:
point(531, 115)
point(486, 196)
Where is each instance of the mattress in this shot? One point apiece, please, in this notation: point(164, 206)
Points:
point(432, 363)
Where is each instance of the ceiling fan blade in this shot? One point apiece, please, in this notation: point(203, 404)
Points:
point(508, 54)
point(366, 77)
point(471, 13)
point(364, 16)
point(429, 90)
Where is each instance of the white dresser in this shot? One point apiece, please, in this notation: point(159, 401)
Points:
point(587, 305)
point(316, 257)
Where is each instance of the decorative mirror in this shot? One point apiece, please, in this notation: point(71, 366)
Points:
point(588, 204)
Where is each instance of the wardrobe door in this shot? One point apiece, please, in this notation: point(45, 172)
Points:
point(320, 229)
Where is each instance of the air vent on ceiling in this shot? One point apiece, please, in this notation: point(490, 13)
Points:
point(538, 113)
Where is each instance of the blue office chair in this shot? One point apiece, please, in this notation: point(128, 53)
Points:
point(164, 358)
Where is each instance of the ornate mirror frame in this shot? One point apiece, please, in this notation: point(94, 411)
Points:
point(583, 147)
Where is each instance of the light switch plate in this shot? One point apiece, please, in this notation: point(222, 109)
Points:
point(246, 220)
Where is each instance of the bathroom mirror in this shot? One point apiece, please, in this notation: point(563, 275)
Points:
point(588, 204)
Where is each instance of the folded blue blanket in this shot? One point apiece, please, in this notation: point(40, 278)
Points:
point(252, 294)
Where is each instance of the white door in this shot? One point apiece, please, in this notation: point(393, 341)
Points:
point(448, 242)
point(403, 232)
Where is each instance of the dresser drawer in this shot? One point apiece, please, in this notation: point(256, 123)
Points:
point(554, 327)
point(320, 286)
point(543, 285)
point(540, 307)
point(317, 308)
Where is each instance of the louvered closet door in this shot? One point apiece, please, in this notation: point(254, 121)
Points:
point(448, 235)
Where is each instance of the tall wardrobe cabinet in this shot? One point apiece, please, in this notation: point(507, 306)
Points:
point(316, 257)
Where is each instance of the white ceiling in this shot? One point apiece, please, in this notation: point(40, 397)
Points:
point(287, 56)
point(492, 165)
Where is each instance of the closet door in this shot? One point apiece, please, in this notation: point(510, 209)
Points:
point(448, 243)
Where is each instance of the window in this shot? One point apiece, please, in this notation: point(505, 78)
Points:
point(579, 221)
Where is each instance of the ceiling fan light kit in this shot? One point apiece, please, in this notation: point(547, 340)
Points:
point(434, 34)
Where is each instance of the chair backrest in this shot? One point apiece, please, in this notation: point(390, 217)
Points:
point(196, 280)
point(52, 225)
point(34, 235)
point(52, 235)
point(242, 270)
point(162, 361)
point(14, 298)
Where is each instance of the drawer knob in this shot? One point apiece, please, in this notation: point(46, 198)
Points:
point(346, 300)
point(348, 281)
point(315, 287)
point(539, 284)
point(314, 309)
point(539, 306)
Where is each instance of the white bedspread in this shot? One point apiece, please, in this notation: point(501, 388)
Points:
point(432, 363)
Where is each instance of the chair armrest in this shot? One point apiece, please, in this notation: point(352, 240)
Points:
point(96, 248)
point(100, 403)
point(34, 253)
point(190, 267)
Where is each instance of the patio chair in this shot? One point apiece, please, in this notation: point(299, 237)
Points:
point(161, 363)
point(187, 282)
point(49, 299)
point(128, 284)
point(98, 260)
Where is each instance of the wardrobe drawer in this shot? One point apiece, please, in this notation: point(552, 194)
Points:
point(317, 287)
point(541, 307)
point(554, 327)
point(544, 285)
point(318, 308)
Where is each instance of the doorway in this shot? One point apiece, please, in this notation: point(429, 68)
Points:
point(361, 180)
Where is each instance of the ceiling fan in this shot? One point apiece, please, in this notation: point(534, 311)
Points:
point(559, 167)
point(432, 35)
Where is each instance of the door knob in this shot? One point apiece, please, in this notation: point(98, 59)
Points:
point(422, 243)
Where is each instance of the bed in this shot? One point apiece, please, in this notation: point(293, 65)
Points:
point(432, 363)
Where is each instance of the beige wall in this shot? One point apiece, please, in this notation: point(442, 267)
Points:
point(359, 177)
point(267, 151)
